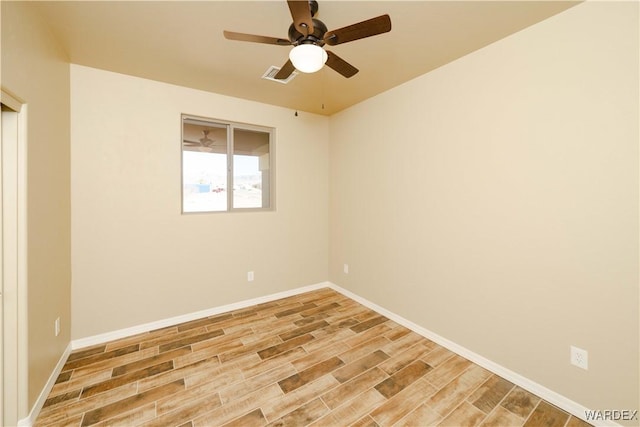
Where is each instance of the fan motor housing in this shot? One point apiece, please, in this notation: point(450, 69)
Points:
point(319, 29)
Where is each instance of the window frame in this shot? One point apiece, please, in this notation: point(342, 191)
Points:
point(230, 126)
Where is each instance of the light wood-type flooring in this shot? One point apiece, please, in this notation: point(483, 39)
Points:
point(317, 359)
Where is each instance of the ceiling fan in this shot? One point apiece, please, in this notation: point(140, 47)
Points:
point(204, 142)
point(308, 35)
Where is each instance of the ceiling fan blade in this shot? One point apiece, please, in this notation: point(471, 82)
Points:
point(285, 71)
point(340, 65)
point(301, 14)
point(368, 28)
point(230, 35)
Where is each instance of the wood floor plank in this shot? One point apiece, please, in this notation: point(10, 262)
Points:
point(207, 321)
point(94, 358)
point(206, 366)
point(547, 415)
point(363, 349)
point(204, 353)
point(317, 358)
point(303, 330)
point(321, 309)
point(190, 340)
point(576, 422)
point(63, 377)
point(350, 389)
point(403, 378)
point(281, 347)
point(130, 418)
point(192, 408)
point(70, 421)
point(359, 366)
point(354, 409)
point(222, 377)
point(423, 415)
point(277, 408)
point(110, 363)
point(397, 332)
point(149, 361)
point(448, 397)
point(239, 389)
point(402, 344)
point(368, 334)
point(310, 374)
point(130, 377)
point(322, 339)
point(260, 366)
point(304, 415)
point(271, 328)
point(464, 415)
point(295, 310)
point(183, 400)
point(257, 346)
point(61, 399)
point(130, 403)
point(239, 407)
point(394, 364)
point(91, 351)
point(75, 384)
point(139, 338)
point(437, 356)
point(365, 421)
point(310, 359)
point(368, 324)
point(253, 418)
point(448, 371)
point(159, 340)
point(520, 402)
point(404, 402)
point(56, 416)
point(491, 393)
point(500, 417)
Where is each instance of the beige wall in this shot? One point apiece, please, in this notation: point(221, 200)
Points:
point(136, 259)
point(494, 201)
point(37, 71)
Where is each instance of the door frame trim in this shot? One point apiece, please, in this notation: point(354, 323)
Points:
point(14, 271)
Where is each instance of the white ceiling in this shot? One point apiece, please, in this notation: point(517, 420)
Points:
point(181, 42)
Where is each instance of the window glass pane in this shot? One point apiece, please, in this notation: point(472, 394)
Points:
point(225, 166)
point(251, 169)
point(204, 167)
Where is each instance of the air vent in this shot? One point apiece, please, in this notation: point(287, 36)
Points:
point(273, 70)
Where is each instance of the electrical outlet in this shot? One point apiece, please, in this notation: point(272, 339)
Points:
point(580, 358)
point(345, 268)
point(56, 326)
point(250, 276)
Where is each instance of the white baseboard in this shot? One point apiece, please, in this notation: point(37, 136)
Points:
point(527, 384)
point(37, 406)
point(146, 327)
point(539, 390)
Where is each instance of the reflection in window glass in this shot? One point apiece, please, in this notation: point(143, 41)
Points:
point(204, 181)
point(251, 169)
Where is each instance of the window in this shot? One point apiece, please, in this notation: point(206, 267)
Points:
point(225, 166)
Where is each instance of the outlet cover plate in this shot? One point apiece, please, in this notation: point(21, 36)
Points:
point(579, 358)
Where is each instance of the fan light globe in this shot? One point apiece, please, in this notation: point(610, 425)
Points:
point(308, 58)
